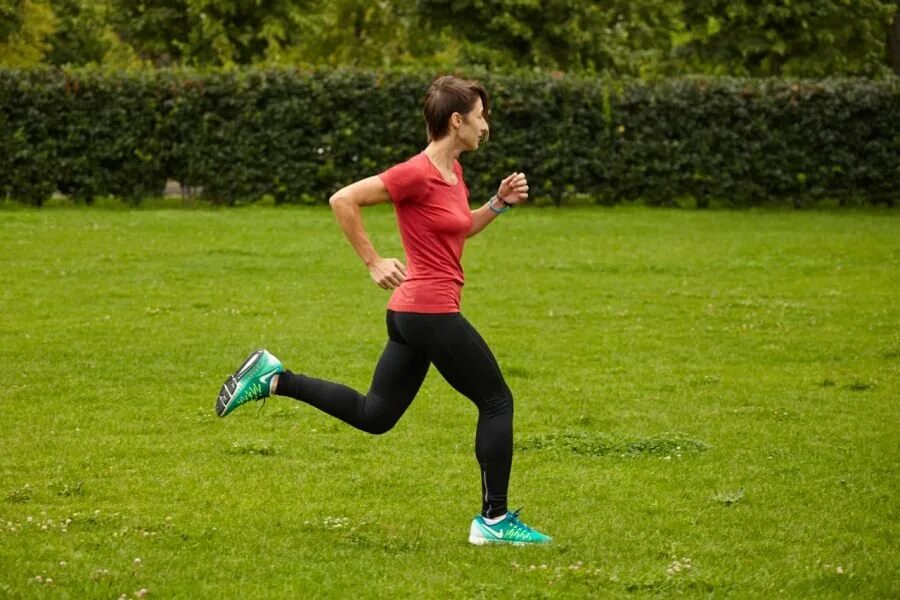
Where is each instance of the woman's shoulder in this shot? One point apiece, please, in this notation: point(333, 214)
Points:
point(413, 165)
point(419, 159)
point(404, 180)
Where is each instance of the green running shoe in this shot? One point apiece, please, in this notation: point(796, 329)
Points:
point(508, 531)
point(252, 381)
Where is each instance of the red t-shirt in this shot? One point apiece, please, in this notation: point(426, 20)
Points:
point(434, 220)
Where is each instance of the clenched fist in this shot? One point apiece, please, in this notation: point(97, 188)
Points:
point(388, 273)
point(513, 189)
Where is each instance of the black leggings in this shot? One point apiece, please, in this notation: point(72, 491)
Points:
point(417, 340)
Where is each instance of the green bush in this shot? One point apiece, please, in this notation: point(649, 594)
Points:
point(298, 136)
point(86, 135)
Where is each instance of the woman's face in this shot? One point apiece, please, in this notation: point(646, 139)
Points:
point(473, 126)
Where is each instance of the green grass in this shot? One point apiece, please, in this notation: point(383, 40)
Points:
point(706, 405)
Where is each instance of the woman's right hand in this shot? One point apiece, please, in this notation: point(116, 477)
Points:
point(388, 273)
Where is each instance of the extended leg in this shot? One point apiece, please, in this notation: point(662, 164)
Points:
point(398, 377)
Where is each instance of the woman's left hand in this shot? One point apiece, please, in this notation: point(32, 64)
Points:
point(513, 189)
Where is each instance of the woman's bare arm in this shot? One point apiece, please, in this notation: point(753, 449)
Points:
point(388, 273)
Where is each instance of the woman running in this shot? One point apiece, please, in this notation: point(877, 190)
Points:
point(424, 323)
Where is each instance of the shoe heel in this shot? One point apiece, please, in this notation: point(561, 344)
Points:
point(248, 364)
point(475, 536)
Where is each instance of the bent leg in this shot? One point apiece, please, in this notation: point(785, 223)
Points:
point(397, 379)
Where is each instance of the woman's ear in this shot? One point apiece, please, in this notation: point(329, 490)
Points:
point(456, 119)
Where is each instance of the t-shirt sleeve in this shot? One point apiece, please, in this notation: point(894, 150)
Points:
point(402, 182)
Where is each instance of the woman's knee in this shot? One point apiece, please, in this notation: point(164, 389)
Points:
point(379, 418)
point(498, 404)
point(379, 426)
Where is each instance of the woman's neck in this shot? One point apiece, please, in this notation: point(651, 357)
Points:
point(443, 153)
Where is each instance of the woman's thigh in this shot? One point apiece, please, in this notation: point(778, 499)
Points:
point(458, 352)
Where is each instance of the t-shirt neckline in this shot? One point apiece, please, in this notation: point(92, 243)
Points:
point(438, 171)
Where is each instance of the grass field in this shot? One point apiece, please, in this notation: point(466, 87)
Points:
point(706, 405)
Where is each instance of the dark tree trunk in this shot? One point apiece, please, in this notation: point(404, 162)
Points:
point(893, 42)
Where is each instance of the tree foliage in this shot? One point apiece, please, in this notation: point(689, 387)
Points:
point(205, 32)
point(620, 36)
point(361, 33)
point(817, 38)
point(24, 28)
point(645, 38)
point(893, 42)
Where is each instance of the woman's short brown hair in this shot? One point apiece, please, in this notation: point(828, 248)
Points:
point(447, 95)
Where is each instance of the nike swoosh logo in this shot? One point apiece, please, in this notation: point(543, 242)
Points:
point(498, 536)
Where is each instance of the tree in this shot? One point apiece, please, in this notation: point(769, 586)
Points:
point(80, 36)
point(205, 32)
point(893, 41)
point(11, 18)
point(803, 38)
point(629, 37)
point(24, 29)
point(362, 33)
point(645, 38)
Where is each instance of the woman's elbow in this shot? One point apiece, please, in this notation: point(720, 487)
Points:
point(340, 201)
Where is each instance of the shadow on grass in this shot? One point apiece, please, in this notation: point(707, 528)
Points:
point(599, 444)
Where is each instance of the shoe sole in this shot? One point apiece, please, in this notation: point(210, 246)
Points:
point(480, 541)
point(226, 394)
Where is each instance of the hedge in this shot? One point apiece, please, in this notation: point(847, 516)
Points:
point(298, 136)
